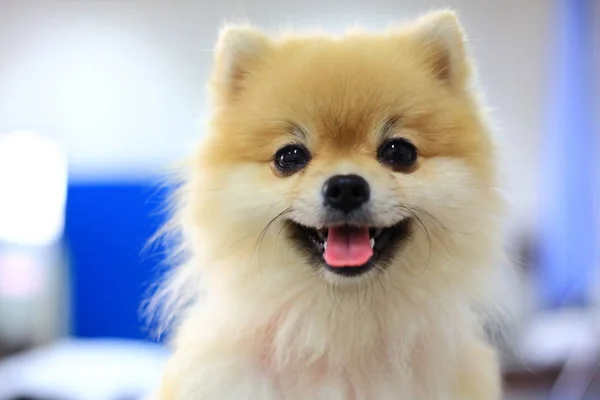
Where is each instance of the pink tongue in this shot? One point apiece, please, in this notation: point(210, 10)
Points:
point(348, 247)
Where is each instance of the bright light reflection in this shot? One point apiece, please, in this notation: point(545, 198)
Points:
point(33, 185)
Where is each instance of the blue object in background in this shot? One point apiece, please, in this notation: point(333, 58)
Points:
point(107, 228)
point(568, 153)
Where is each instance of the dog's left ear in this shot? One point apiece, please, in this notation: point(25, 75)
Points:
point(440, 39)
point(237, 55)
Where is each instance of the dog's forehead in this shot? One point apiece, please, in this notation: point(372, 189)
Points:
point(337, 103)
point(347, 132)
point(342, 118)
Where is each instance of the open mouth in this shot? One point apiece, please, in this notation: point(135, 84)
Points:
point(350, 250)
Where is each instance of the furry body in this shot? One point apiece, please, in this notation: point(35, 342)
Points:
point(257, 318)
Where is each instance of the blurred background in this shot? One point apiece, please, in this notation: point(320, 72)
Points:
point(98, 97)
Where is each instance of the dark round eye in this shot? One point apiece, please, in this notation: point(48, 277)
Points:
point(291, 158)
point(398, 154)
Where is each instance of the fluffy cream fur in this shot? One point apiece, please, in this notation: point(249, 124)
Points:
point(253, 319)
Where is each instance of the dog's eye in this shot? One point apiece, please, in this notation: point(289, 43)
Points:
point(291, 158)
point(398, 154)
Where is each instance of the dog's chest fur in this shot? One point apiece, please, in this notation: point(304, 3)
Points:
point(309, 362)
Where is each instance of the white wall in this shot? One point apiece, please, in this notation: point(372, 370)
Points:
point(121, 83)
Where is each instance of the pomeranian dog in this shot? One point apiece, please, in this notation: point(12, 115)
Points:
point(342, 223)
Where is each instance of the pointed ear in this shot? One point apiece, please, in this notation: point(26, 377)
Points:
point(238, 52)
point(440, 38)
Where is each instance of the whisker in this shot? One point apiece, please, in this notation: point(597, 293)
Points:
point(380, 281)
point(372, 288)
point(332, 296)
point(263, 233)
point(433, 218)
point(426, 231)
point(364, 300)
point(451, 256)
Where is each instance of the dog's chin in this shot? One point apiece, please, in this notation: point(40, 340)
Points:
point(386, 243)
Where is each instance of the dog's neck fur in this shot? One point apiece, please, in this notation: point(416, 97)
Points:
point(316, 324)
point(359, 334)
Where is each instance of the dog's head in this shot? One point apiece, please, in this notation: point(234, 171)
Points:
point(351, 157)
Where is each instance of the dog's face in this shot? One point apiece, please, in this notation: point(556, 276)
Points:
point(349, 157)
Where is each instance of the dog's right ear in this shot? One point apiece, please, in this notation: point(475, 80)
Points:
point(238, 53)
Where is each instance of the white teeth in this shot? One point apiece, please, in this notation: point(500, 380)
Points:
point(372, 242)
point(325, 245)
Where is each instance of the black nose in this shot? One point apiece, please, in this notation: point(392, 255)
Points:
point(346, 192)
